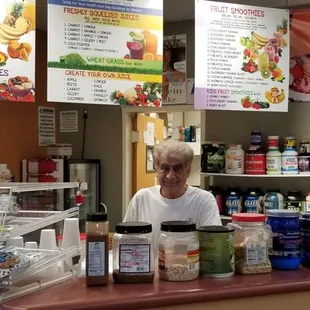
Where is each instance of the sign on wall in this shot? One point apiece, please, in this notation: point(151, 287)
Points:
point(17, 50)
point(241, 57)
point(299, 79)
point(107, 52)
point(47, 127)
point(174, 70)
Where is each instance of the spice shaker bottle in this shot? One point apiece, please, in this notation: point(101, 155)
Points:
point(97, 249)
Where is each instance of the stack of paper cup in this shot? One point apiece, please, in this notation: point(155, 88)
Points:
point(48, 239)
point(71, 237)
point(31, 245)
point(48, 242)
point(15, 241)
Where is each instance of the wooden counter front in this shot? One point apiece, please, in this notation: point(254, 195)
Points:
point(284, 289)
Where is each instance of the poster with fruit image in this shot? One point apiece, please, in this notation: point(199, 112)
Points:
point(17, 50)
point(299, 79)
point(241, 57)
point(107, 52)
point(174, 70)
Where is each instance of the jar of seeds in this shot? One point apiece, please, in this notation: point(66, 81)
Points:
point(178, 251)
point(252, 241)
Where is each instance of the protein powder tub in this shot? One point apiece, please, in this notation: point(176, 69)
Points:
point(289, 162)
point(273, 200)
point(213, 157)
point(234, 159)
point(178, 251)
point(286, 242)
point(255, 161)
point(293, 201)
point(219, 197)
point(233, 201)
point(253, 201)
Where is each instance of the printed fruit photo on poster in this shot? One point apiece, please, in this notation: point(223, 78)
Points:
point(263, 54)
point(17, 45)
point(299, 79)
point(248, 103)
point(146, 95)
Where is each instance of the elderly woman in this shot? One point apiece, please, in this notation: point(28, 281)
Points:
point(173, 199)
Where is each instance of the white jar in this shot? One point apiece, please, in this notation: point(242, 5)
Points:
point(234, 156)
point(273, 162)
point(5, 173)
point(178, 251)
point(290, 162)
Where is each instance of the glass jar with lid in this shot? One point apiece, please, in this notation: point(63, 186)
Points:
point(178, 251)
point(133, 253)
point(251, 242)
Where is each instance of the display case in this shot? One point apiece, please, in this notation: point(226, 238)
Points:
point(24, 270)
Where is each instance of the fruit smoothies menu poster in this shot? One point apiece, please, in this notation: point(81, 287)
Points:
point(105, 52)
point(17, 50)
point(299, 79)
point(241, 57)
point(174, 70)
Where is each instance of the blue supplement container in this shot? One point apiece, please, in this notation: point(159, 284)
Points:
point(286, 242)
point(305, 239)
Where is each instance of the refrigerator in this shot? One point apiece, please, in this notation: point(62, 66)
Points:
point(85, 171)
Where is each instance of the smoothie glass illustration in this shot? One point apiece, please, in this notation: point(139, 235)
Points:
point(30, 12)
point(135, 50)
point(138, 37)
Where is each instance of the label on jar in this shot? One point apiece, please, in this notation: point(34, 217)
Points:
point(134, 258)
point(193, 257)
point(289, 164)
point(273, 164)
point(293, 205)
point(251, 203)
point(286, 244)
point(96, 259)
point(256, 253)
point(233, 204)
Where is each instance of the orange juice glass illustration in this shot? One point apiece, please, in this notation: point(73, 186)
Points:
point(151, 43)
point(135, 50)
point(30, 12)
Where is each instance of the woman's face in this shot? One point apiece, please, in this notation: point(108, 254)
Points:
point(167, 59)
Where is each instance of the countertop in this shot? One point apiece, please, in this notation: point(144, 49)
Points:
point(74, 295)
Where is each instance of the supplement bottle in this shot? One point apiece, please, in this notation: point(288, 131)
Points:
point(293, 201)
point(273, 200)
point(289, 162)
point(273, 161)
point(234, 159)
point(307, 203)
point(233, 201)
point(97, 249)
point(253, 201)
point(219, 197)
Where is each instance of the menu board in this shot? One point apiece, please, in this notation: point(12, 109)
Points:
point(241, 57)
point(174, 70)
point(17, 50)
point(105, 52)
point(300, 55)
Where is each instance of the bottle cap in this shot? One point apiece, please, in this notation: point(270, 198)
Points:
point(133, 228)
point(97, 217)
point(178, 226)
point(282, 213)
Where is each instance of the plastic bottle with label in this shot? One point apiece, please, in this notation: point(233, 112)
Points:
point(273, 200)
point(235, 158)
point(289, 161)
point(307, 203)
point(273, 162)
point(233, 201)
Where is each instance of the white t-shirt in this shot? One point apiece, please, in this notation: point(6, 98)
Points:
point(197, 205)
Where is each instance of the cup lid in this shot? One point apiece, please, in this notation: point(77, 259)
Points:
point(97, 217)
point(248, 217)
point(178, 226)
point(282, 213)
point(215, 229)
point(133, 228)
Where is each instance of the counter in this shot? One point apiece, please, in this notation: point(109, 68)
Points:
point(232, 293)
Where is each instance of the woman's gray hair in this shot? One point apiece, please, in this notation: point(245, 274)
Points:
point(173, 149)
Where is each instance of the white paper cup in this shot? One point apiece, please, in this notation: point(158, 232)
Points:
point(31, 245)
point(48, 239)
point(15, 241)
point(71, 237)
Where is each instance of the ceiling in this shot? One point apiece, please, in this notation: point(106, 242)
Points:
point(179, 10)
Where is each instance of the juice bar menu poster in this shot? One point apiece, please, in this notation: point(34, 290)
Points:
point(17, 50)
point(241, 57)
point(105, 52)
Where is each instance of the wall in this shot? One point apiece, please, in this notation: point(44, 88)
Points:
point(19, 120)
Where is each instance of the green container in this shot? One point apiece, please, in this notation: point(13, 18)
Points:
point(217, 258)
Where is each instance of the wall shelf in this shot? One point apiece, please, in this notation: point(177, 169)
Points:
point(255, 175)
